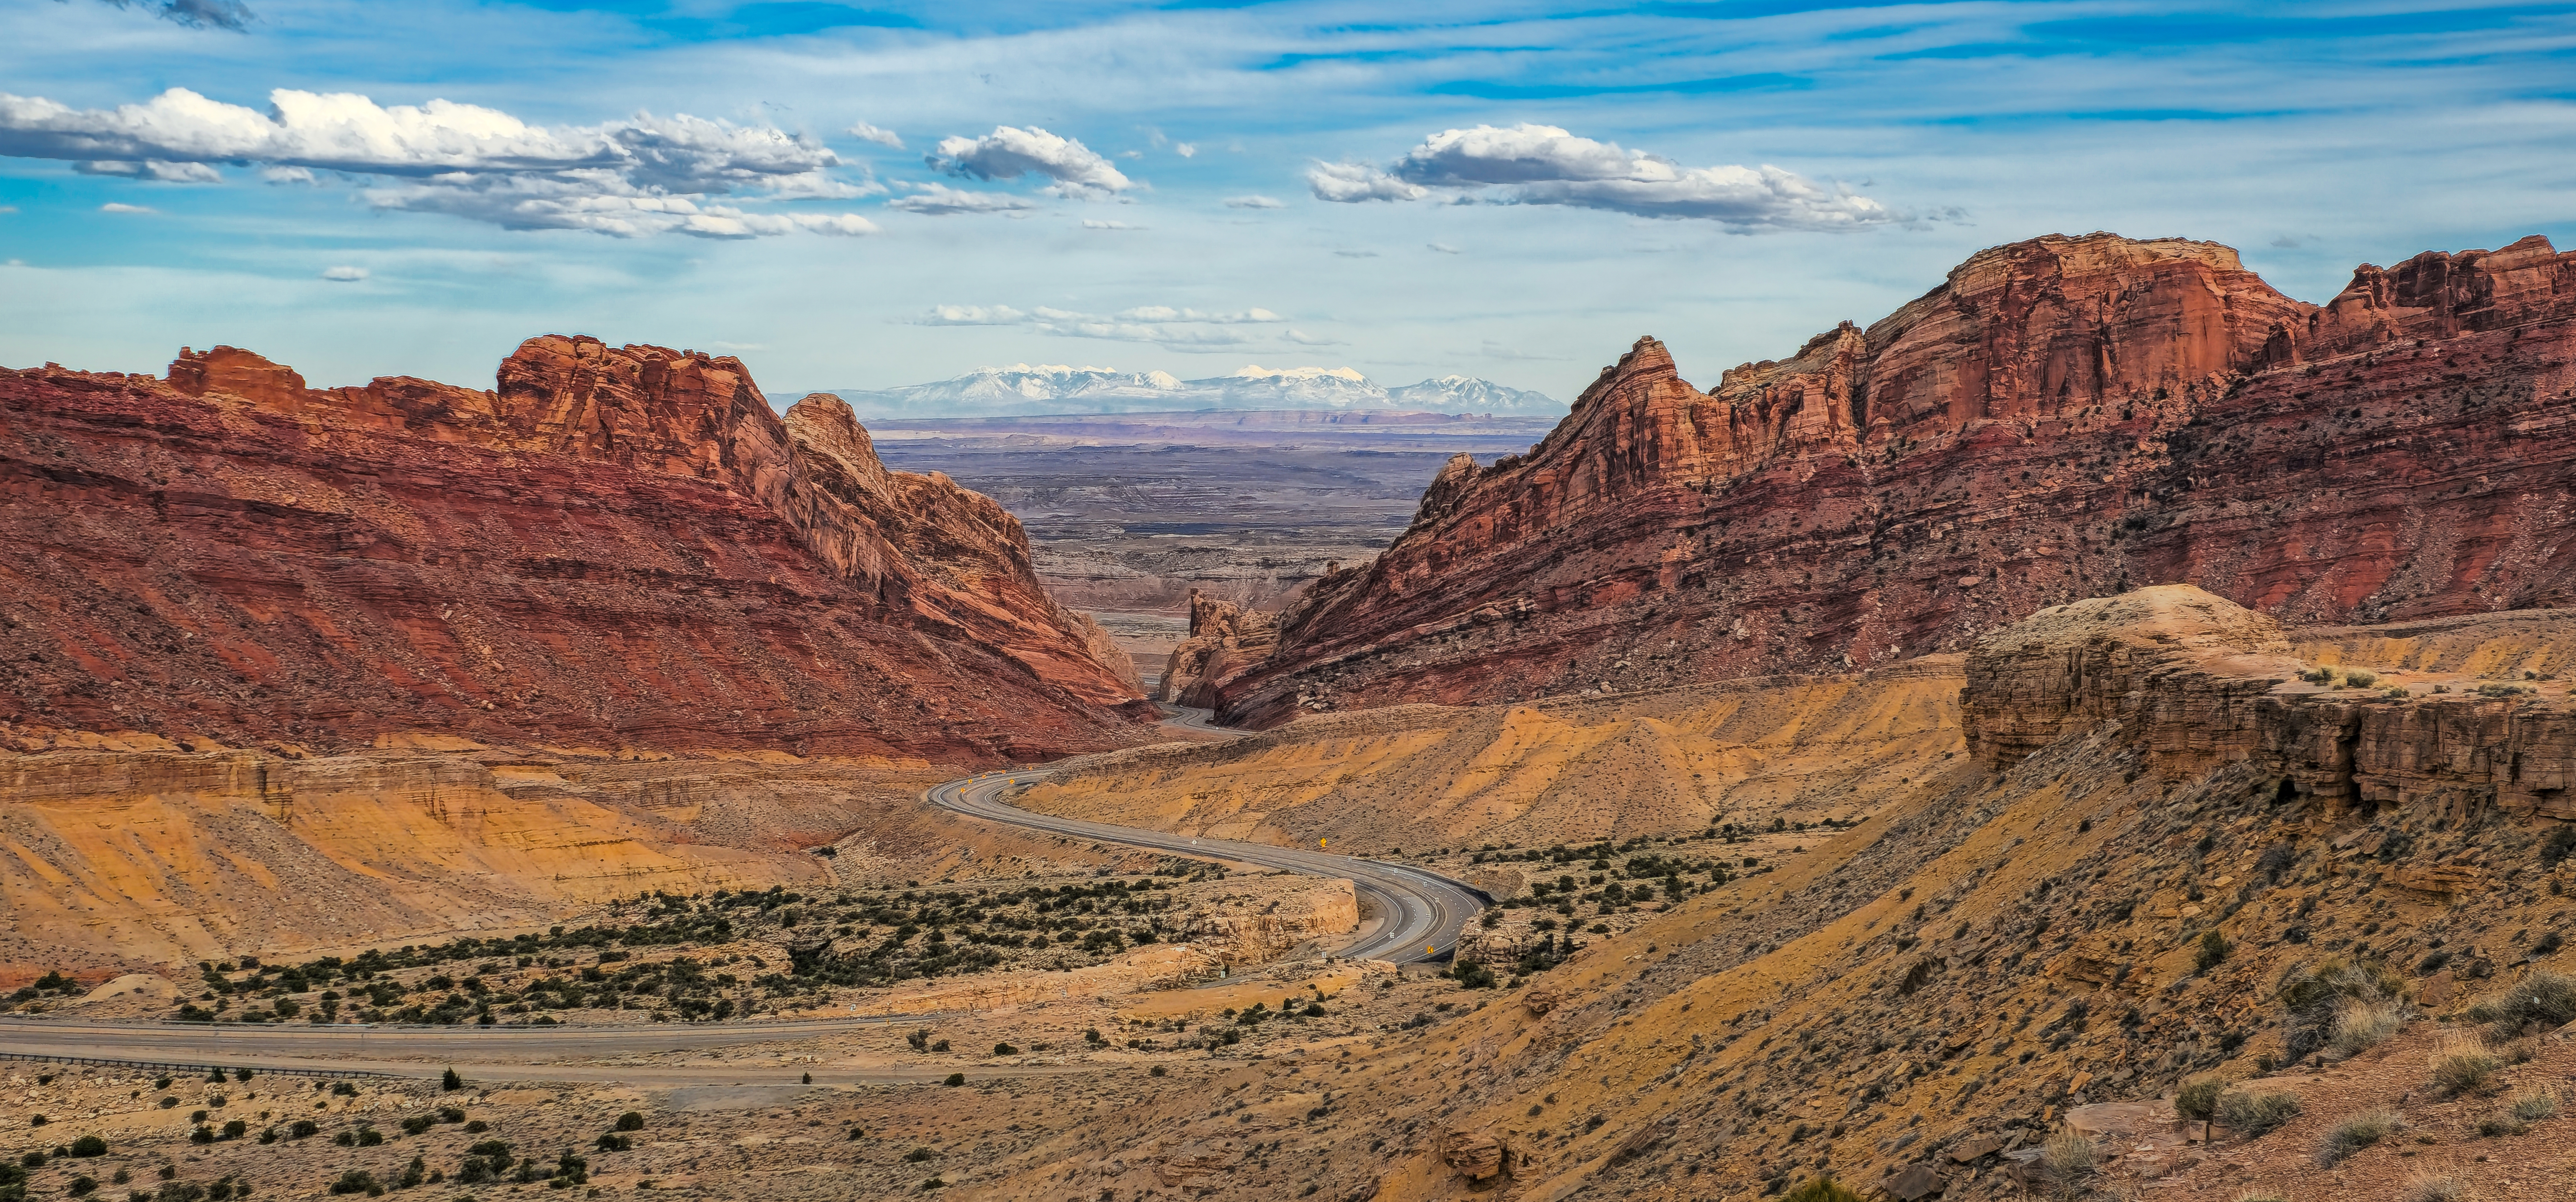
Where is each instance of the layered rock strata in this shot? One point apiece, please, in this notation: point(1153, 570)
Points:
point(2062, 418)
point(615, 548)
point(1225, 638)
point(2197, 682)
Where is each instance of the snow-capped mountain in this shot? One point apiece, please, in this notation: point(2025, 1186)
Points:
point(1025, 390)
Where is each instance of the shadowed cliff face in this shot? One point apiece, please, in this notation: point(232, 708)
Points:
point(2063, 418)
point(616, 548)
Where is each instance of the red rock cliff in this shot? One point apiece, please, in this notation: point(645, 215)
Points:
point(616, 547)
point(2063, 418)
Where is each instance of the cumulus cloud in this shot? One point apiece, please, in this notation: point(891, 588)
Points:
point(1252, 202)
point(1011, 153)
point(1351, 183)
point(154, 169)
point(940, 200)
point(1095, 224)
point(344, 275)
point(1163, 325)
point(115, 207)
point(1302, 338)
point(877, 134)
point(218, 14)
point(1185, 150)
point(1542, 164)
point(642, 175)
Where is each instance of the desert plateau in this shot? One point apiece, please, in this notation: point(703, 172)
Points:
point(733, 601)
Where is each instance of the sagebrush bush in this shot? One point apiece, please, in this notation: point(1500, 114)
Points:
point(2542, 999)
point(2432, 1187)
point(2255, 1114)
point(2361, 1026)
point(2198, 1098)
point(2534, 1107)
point(2357, 1132)
point(2463, 1068)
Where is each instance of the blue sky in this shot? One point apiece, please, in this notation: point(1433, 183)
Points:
point(865, 195)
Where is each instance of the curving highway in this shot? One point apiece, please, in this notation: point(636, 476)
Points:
point(1421, 912)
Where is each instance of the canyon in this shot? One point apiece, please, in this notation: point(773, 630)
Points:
point(2062, 418)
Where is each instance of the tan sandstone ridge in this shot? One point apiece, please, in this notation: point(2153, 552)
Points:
point(1569, 770)
point(2021, 936)
point(613, 548)
point(2062, 418)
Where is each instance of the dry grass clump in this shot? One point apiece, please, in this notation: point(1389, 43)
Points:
point(2363, 1025)
point(2316, 997)
point(2534, 1107)
point(2357, 1132)
point(2433, 1187)
point(2254, 1114)
point(2068, 1161)
point(2460, 1067)
point(2198, 1098)
point(2542, 1000)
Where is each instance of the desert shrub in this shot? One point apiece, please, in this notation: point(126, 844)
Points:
point(955, 1079)
point(2460, 1068)
point(2360, 678)
point(917, 1155)
point(630, 1121)
point(2361, 1025)
point(2560, 844)
point(2068, 1160)
point(2357, 1132)
point(2214, 949)
point(920, 1040)
point(2397, 692)
point(356, 1181)
point(89, 1145)
point(1005, 1049)
point(2502, 1122)
point(2257, 1113)
point(1821, 1189)
point(2432, 1187)
point(2318, 676)
point(419, 1123)
point(2534, 1107)
point(2315, 997)
point(301, 1128)
point(2198, 1098)
point(613, 1142)
point(2541, 999)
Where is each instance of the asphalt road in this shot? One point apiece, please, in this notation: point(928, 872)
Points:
point(1423, 911)
point(1423, 915)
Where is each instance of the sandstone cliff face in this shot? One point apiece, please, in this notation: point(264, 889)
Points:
point(615, 548)
point(1225, 638)
point(2197, 683)
point(2063, 418)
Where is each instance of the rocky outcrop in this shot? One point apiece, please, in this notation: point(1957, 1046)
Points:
point(2195, 683)
point(2063, 418)
point(616, 547)
point(1299, 911)
point(1224, 639)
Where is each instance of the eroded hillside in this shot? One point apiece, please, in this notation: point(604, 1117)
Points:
point(2164, 853)
point(1570, 770)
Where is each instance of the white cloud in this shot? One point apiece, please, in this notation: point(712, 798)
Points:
point(114, 207)
point(844, 225)
point(1356, 254)
point(8, 208)
point(1010, 153)
point(344, 275)
point(1185, 150)
point(1252, 202)
point(154, 169)
point(879, 135)
point(974, 315)
point(1444, 248)
point(642, 175)
point(1167, 313)
point(1542, 164)
point(1302, 338)
point(1350, 183)
point(1095, 224)
point(940, 200)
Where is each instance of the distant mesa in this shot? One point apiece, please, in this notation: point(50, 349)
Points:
point(1026, 390)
